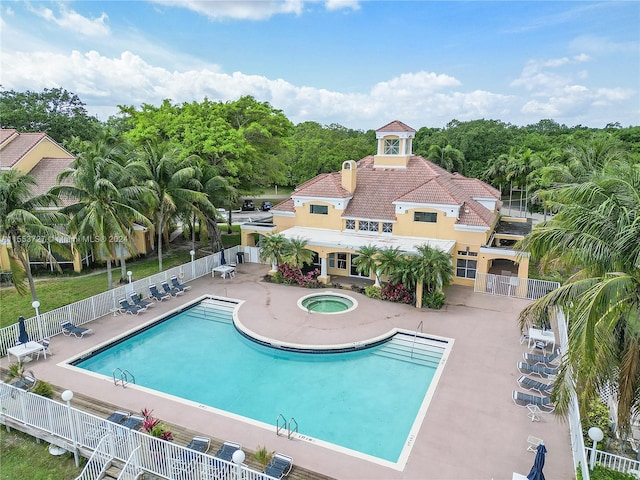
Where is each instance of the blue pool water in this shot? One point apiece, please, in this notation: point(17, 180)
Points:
point(360, 400)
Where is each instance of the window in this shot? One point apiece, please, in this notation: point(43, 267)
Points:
point(387, 227)
point(365, 226)
point(466, 253)
point(350, 225)
point(319, 209)
point(391, 146)
point(466, 268)
point(331, 260)
point(430, 217)
point(342, 261)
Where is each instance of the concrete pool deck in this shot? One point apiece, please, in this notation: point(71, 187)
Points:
point(472, 429)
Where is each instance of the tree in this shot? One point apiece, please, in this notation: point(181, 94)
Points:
point(595, 235)
point(389, 260)
point(273, 248)
point(28, 224)
point(367, 261)
point(174, 186)
point(296, 252)
point(449, 158)
point(59, 113)
point(103, 200)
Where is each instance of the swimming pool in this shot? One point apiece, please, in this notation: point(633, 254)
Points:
point(370, 400)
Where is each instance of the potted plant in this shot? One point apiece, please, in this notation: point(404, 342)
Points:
point(263, 456)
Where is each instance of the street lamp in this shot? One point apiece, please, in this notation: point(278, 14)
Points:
point(129, 273)
point(193, 266)
point(36, 305)
point(238, 458)
point(67, 395)
point(596, 435)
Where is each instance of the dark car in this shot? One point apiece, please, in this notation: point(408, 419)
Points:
point(248, 206)
point(266, 206)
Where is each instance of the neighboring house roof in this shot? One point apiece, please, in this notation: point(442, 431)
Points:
point(45, 174)
point(18, 147)
point(421, 182)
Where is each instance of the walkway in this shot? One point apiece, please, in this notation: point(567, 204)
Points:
point(472, 429)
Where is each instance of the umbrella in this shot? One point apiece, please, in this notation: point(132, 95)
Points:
point(223, 260)
point(23, 337)
point(538, 463)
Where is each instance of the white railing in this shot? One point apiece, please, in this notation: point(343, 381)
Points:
point(29, 411)
point(507, 286)
point(98, 463)
point(105, 303)
point(131, 469)
point(614, 462)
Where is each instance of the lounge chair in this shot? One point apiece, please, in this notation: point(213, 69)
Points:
point(184, 465)
point(134, 422)
point(136, 300)
point(27, 382)
point(534, 385)
point(180, 286)
point(525, 399)
point(539, 370)
point(118, 416)
point(200, 444)
point(225, 452)
point(533, 443)
point(174, 292)
point(69, 329)
point(126, 307)
point(548, 360)
point(156, 295)
point(279, 466)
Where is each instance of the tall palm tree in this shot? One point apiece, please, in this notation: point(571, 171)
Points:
point(25, 221)
point(449, 158)
point(296, 252)
point(174, 185)
point(273, 248)
point(389, 260)
point(367, 261)
point(595, 234)
point(103, 201)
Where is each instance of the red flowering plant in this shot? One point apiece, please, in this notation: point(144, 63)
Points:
point(396, 293)
point(294, 276)
point(154, 427)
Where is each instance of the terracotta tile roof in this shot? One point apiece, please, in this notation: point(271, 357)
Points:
point(284, 206)
point(395, 126)
point(18, 147)
point(46, 172)
point(420, 182)
point(5, 134)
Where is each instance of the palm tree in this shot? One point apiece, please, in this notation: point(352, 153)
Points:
point(595, 234)
point(273, 248)
point(449, 158)
point(103, 198)
point(25, 221)
point(367, 261)
point(296, 253)
point(174, 185)
point(389, 260)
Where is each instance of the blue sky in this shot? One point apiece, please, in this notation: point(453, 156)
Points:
point(360, 64)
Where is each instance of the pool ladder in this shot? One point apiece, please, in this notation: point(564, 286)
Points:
point(125, 377)
point(291, 426)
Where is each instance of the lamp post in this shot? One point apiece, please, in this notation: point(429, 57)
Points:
point(193, 266)
point(596, 435)
point(67, 395)
point(238, 458)
point(129, 273)
point(36, 306)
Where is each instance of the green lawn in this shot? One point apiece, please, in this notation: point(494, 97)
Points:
point(22, 457)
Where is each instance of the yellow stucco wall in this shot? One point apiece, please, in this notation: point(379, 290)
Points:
point(332, 220)
point(44, 149)
point(4, 257)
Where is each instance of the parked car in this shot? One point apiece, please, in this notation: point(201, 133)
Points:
point(266, 206)
point(248, 206)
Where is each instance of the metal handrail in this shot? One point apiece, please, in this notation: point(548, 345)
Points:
point(124, 377)
point(289, 427)
point(415, 335)
point(284, 423)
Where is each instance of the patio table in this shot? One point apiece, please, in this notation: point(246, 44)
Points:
point(545, 336)
point(25, 349)
point(224, 270)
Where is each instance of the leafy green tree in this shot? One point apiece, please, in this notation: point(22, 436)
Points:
point(389, 260)
point(595, 235)
point(57, 112)
point(274, 249)
point(296, 252)
point(103, 201)
point(26, 220)
point(449, 158)
point(367, 261)
point(174, 187)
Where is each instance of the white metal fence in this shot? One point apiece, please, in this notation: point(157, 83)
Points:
point(507, 286)
point(615, 462)
point(138, 451)
point(107, 302)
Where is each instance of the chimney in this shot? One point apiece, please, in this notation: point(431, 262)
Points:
point(349, 176)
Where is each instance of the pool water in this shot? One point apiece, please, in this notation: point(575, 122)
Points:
point(325, 305)
point(360, 400)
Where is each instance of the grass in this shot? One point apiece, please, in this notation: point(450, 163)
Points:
point(22, 457)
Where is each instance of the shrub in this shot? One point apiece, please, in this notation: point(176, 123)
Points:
point(294, 276)
point(372, 291)
point(433, 299)
point(263, 456)
point(154, 427)
point(43, 389)
point(396, 293)
point(597, 416)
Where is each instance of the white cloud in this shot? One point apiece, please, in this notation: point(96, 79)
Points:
point(237, 9)
point(602, 45)
point(73, 21)
point(342, 4)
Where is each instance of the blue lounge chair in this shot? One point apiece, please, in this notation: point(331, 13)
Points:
point(26, 382)
point(225, 452)
point(134, 422)
point(118, 416)
point(279, 466)
point(136, 300)
point(547, 360)
point(156, 295)
point(534, 385)
point(174, 292)
point(539, 370)
point(126, 307)
point(69, 329)
point(180, 286)
point(200, 444)
point(526, 399)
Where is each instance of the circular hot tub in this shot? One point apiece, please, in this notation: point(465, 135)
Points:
point(327, 303)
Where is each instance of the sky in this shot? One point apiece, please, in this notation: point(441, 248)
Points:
point(359, 64)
